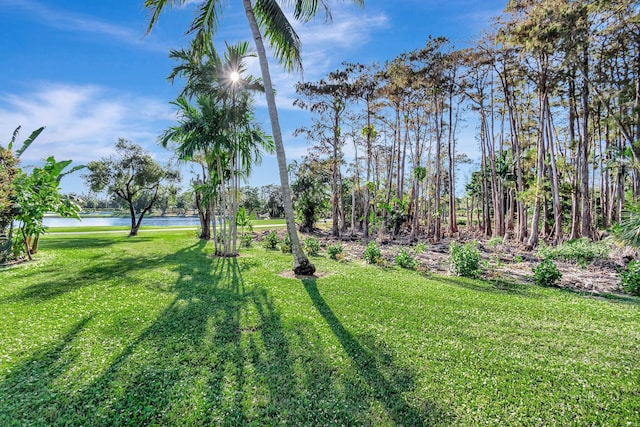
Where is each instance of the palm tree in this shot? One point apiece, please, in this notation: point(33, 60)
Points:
point(220, 128)
point(197, 133)
point(265, 17)
point(226, 144)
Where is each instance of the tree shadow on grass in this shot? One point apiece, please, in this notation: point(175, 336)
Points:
point(386, 389)
point(218, 353)
point(78, 243)
point(51, 280)
point(170, 373)
point(50, 283)
point(496, 286)
point(26, 391)
point(609, 297)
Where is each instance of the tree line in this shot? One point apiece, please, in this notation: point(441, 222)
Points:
point(553, 91)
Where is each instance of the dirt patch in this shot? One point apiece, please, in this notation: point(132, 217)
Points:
point(506, 261)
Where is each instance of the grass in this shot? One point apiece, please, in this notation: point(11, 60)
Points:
point(103, 228)
point(259, 224)
point(152, 330)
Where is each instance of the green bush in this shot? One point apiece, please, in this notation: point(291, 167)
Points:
point(271, 240)
point(464, 259)
point(372, 253)
point(582, 251)
point(405, 260)
point(311, 246)
point(494, 242)
point(285, 244)
point(546, 273)
point(246, 240)
point(11, 249)
point(334, 251)
point(420, 248)
point(630, 278)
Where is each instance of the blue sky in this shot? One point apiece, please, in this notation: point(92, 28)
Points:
point(86, 70)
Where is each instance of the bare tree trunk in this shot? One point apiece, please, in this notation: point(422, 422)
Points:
point(355, 187)
point(540, 167)
point(437, 233)
point(367, 196)
point(451, 153)
point(587, 228)
point(555, 185)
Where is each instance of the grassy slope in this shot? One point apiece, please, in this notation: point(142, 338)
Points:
point(107, 330)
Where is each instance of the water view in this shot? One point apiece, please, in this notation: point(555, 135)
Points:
point(108, 221)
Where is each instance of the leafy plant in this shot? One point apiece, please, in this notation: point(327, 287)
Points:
point(271, 240)
point(546, 273)
point(464, 259)
point(372, 253)
point(335, 250)
point(398, 213)
point(26, 197)
point(420, 248)
point(405, 260)
point(246, 240)
point(311, 198)
point(630, 278)
point(494, 242)
point(285, 244)
point(518, 258)
point(244, 220)
point(311, 246)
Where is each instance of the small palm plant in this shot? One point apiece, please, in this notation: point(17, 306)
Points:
point(628, 231)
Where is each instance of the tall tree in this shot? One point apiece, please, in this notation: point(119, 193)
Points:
point(328, 99)
point(267, 18)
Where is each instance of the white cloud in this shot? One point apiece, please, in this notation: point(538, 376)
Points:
point(324, 45)
point(63, 20)
point(82, 122)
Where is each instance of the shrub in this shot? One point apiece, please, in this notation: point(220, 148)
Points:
point(271, 240)
point(311, 246)
point(582, 251)
point(630, 278)
point(546, 273)
point(494, 242)
point(246, 240)
point(372, 253)
point(420, 248)
point(464, 259)
point(334, 251)
point(285, 244)
point(405, 260)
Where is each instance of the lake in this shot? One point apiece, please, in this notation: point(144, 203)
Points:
point(174, 221)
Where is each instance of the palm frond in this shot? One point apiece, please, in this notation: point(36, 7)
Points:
point(628, 230)
point(207, 20)
point(306, 10)
point(280, 34)
point(156, 7)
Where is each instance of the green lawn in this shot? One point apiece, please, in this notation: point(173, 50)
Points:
point(259, 225)
point(110, 330)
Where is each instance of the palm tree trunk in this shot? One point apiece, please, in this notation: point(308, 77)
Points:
point(301, 265)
